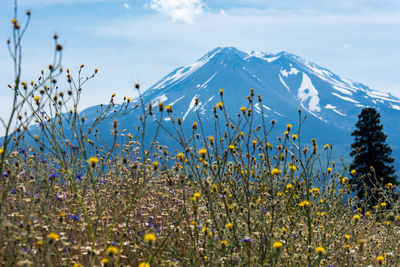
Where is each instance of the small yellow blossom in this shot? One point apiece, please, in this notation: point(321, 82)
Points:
point(277, 245)
point(203, 152)
point(53, 236)
point(104, 261)
point(275, 171)
point(320, 250)
point(93, 160)
point(144, 264)
point(112, 250)
point(304, 203)
point(356, 217)
point(229, 225)
point(380, 259)
point(353, 172)
point(150, 237)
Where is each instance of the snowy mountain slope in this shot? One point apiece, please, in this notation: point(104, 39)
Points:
point(286, 83)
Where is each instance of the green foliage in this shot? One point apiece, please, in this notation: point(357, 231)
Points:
point(372, 157)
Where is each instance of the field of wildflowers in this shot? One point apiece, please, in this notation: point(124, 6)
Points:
point(232, 199)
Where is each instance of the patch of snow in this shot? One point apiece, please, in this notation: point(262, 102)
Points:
point(396, 107)
point(283, 82)
point(173, 103)
point(183, 72)
point(267, 57)
point(306, 92)
point(159, 99)
point(342, 90)
point(204, 85)
point(258, 109)
point(340, 113)
point(293, 71)
point(348, 99)
point(191, 106)
point(329, 106)
point(202, 106)
point(380, 96)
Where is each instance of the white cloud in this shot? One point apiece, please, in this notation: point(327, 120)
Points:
point(184, 10)
point(222, 12)
point(127, 6)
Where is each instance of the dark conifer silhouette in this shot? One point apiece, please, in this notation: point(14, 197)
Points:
point(372, 157)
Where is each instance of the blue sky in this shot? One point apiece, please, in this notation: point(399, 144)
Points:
point(142, 40)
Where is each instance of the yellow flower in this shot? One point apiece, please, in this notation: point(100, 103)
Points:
point(93, 160)
point(196, 195)
point(112, 250)
point(289, 186)
point(104, 261)
point(289, 126)
point(389, 185)
point(229, 225)
point(275, 171)
point(356, 217)
point(380, 259)
point(220, 105)
point(203, 152)
point(304, 203)
point(347, 237)
point(144, 264)
point(243, 109)
point(326, 146)
point(53, 236)
point(353, 172)
point(155, 164)
point(76, 264)
point(224, 242)
point(320, 250)
point(39, 243)
point(383, 204)
point(36, 98)
point(231, 147)
point(329, 169)
point(294, 136)
point(277, 245)
point(150, 237)
point(1, 151)
point(180, 156)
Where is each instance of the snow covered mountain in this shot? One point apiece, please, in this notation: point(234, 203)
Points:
point(286, 83)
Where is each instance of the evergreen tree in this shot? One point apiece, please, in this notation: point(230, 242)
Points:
point(373, 162)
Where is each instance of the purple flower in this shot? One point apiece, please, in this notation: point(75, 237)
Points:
point(53, 176)
point(74, 217)
point(247, 240)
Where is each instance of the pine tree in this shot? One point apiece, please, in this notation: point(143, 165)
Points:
point(372, 157)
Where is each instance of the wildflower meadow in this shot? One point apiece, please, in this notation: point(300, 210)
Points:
point(234, 198)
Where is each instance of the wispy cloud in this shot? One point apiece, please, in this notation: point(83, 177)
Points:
point(184, 10)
